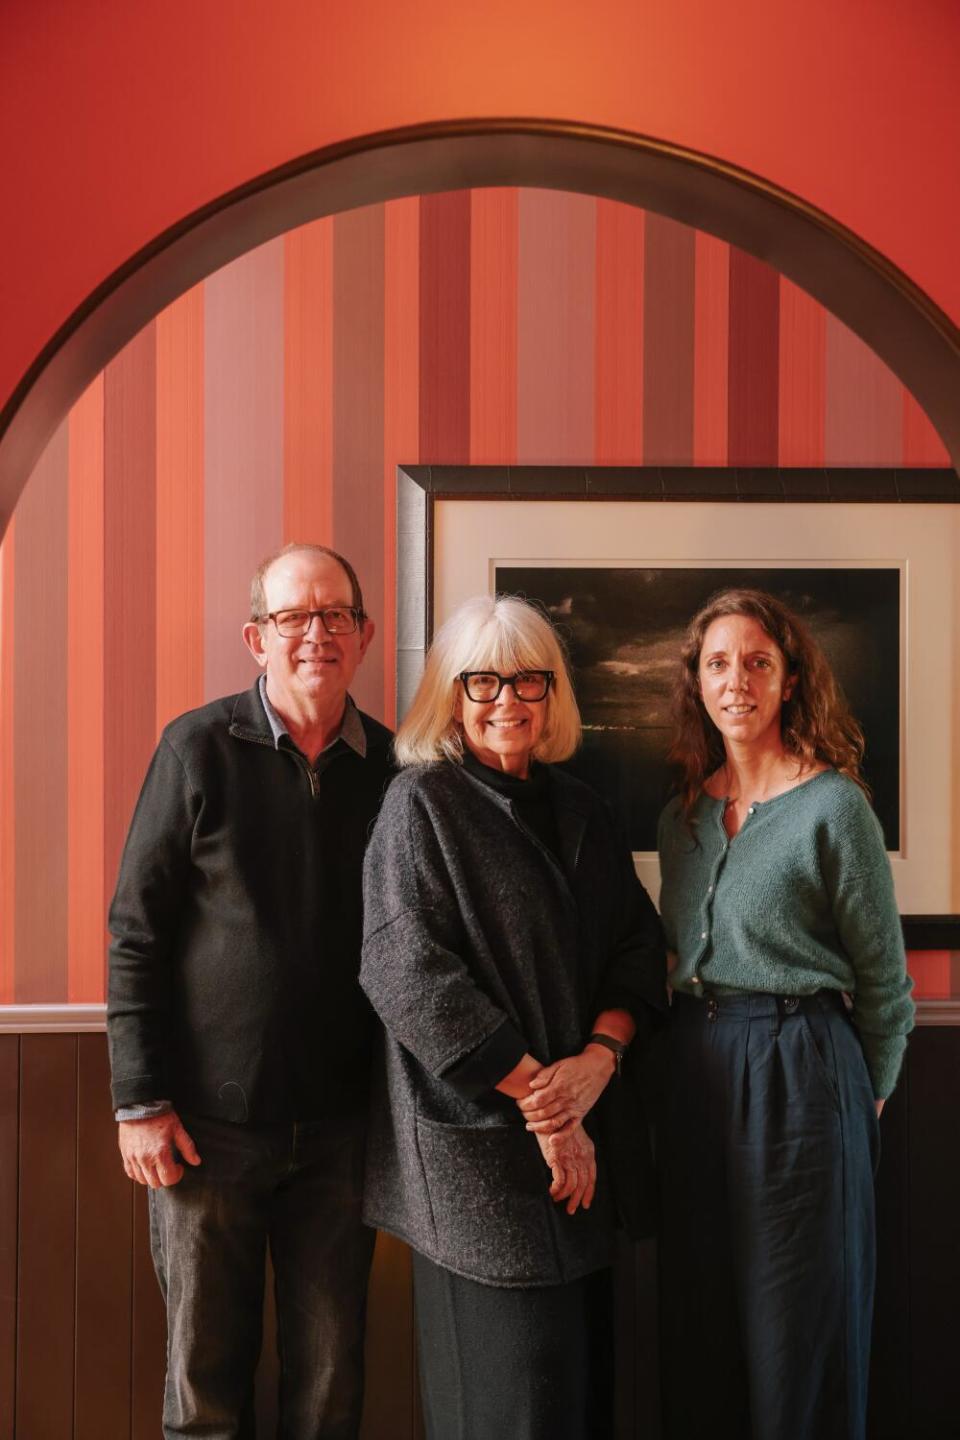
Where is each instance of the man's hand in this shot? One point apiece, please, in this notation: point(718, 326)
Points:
point(562, 1094)
point(147, 1147)
point(573, 1166)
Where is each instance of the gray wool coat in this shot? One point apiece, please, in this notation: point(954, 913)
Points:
point(479, 946)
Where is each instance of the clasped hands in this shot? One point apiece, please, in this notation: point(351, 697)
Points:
point(558, 1098)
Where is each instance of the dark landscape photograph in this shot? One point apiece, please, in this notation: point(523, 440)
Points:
point(623, 628)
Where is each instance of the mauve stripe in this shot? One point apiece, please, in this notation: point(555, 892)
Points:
point(864, 403)
point(358, 359)
point(668, 337)
point(802, 376)
point(129, 590)
point(753, 435)
point(494, 238)
point(40, 730)
point(308, 384)
point(921, 443)
point(8, 910)
point(86, 928)
point(711, 340)
point(243, 451)
point(180, 507)
point(618, 408)
point(445, 327)
point(401, 407)
point(555, 327)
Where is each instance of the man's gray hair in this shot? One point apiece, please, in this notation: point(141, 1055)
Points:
point(258, 598)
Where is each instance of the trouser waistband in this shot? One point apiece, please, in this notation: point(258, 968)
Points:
point(752, 1004)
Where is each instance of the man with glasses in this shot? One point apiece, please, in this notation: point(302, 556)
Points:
point(239, 1038)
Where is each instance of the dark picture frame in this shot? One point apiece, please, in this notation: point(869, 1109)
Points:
point(421, 488)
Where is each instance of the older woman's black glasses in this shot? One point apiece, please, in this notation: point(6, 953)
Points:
point(485, 685)
point(335, 619)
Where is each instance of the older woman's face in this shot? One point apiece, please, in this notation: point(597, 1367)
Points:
point(743, 679)
point(501, 733)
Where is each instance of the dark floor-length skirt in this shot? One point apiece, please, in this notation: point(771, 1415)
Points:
point(767, 1146)
point(514, 1364)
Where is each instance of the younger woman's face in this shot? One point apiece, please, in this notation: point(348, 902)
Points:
point(743, 679)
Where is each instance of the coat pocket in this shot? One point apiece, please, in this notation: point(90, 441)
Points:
point(488, 1189)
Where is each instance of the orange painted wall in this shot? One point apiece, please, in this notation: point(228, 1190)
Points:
point(275, 401)
point(119, 119)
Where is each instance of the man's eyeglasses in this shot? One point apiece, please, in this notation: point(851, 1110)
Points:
point(335, 619)
point(483, 686)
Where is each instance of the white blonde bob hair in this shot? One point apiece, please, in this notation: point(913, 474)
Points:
point(505, 634)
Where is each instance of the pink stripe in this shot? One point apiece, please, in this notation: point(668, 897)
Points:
point(711, 342)
point(129, 592)
point(86, 934)
point(358, 358)
point(668, 342)
point(40, 729)
point(180, 507)
point(555, 328)
point(493, 326)
point(802, 376)
point(8, 908)
point(618, 409)
point(401, 400)
point(308, 383)
point(243, 450)
point(864, 403)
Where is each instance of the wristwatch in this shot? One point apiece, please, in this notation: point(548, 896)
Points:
point(617, 1046)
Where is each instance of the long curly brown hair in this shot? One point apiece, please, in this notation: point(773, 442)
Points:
point(816, 723)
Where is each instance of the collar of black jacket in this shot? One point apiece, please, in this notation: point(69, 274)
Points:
point(572, 803)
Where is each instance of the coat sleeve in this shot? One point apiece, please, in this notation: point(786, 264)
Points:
point(860, 881)
point(636, 971)
point(146, 911)
point(414, 966)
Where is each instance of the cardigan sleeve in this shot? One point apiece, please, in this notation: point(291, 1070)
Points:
point(865, 912)
point(412, 967)
point(146, 910)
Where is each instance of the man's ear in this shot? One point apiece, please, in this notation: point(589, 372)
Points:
point(366, 635)
point(253, 639)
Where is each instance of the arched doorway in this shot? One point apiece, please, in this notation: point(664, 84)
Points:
point(875, 299)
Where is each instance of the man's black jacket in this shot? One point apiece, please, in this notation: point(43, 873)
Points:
point(237, 922)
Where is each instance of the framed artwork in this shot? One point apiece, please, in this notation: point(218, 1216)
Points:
point(620, 576)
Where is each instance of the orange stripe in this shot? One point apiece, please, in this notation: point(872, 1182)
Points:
point(308, 384)
point(711, 350)
point(932, 974)
point(494, 234)
point(921, 443)
point(803, 372)
point(618, 413)
point(401, 404)
point(86, 934)
point(7, 848)
point(180, 507)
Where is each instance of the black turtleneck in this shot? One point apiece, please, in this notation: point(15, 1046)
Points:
point(531, 798)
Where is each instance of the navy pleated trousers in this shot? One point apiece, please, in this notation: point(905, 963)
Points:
point(767, 1148)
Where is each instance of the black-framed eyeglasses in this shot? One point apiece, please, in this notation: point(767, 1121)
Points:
point(335, 619)
point(483, 686)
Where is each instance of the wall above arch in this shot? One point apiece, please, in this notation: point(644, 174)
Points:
point(880, 303)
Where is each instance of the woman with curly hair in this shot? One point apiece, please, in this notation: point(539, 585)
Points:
point(791, 1007)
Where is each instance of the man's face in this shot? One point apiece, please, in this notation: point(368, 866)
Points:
point(315, 668)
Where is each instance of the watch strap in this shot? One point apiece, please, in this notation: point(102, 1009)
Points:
point(618, 1047)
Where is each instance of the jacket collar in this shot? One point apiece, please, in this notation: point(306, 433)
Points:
point(571, 802)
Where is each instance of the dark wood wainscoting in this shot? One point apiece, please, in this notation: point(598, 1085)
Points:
point(81, 1325)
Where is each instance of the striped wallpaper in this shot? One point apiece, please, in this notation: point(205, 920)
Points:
point(275, 400)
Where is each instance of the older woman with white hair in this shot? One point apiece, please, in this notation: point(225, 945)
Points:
point(513, 957)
